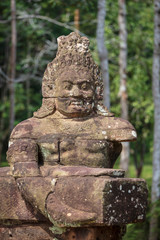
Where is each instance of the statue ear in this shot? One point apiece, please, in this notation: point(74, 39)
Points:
point(102, 110)
point(48, 107)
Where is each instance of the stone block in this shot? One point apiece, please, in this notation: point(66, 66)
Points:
point(13, 208)
point(97, 201)
point(26, 232)
point(25, 169)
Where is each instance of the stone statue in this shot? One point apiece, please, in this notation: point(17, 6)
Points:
point(62, 158)
point(72, 127)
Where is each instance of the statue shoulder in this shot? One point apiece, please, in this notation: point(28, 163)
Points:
point(25, 129)
point(118, 129)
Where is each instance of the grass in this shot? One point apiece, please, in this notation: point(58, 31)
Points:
point(4, 164)
point(146, 172)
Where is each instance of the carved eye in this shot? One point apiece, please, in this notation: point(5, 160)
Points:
point(50, 86)
point(24, 147)
point(85, 86)
point(68, 86)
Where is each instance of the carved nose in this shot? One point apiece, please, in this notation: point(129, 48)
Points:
point(76, 92)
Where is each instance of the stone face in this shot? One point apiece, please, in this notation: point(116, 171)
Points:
point(60, 184)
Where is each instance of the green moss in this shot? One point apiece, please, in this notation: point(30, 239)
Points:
point(45, 152)
point(57, 230)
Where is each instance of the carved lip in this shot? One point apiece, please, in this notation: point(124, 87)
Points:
point(80, 102)
point(76, 102)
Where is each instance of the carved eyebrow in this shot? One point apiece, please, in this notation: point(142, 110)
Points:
point(83, 81)
point(68, 81)
point(79, 81)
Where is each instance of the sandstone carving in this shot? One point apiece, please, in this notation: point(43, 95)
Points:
point(60, 183)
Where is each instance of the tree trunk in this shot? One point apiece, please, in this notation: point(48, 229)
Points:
point(12, 64)
point(102, 51)
point(5, 132)
point(76, 19)
point(156, 95)
point(124, 160)
point(28, 97)
point(139, 160)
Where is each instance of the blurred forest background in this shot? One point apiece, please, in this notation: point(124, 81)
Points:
point(38, 24)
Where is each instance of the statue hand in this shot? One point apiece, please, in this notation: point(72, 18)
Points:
point(22, 156)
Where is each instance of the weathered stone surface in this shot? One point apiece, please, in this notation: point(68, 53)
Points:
point(5, 171)
point(43, 232)
point(25, 169)
point(35, 190)
point(21, 150)
point(71, 142)
point(95, 198)
point(48, 107)
point(13, 207)
point(101, 201)
point(92, 153)
point(74, 129)
point(49, 151)
point(130, 201)
point(23, 157)
point(26, 232)
point(96, 233)
point(72, 126)
point(64, 171)
point(95, 127)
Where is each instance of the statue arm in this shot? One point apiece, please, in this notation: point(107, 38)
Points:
point(22, 156)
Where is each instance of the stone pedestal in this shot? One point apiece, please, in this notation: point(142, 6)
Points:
point(42, 232)
point(96, 233)
point(80, 203)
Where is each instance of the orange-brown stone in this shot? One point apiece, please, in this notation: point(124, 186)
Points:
point(60, 183)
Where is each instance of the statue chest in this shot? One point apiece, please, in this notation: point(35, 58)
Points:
point(78, 151)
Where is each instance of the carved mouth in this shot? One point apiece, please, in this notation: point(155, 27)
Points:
point(76, 103)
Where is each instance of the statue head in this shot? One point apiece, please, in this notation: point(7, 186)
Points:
point(72, 82)
point(75, 92)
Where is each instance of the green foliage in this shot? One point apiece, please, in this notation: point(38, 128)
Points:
point(137, 231)
point(139, 66)
point(4, 164)
point(36, 46)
